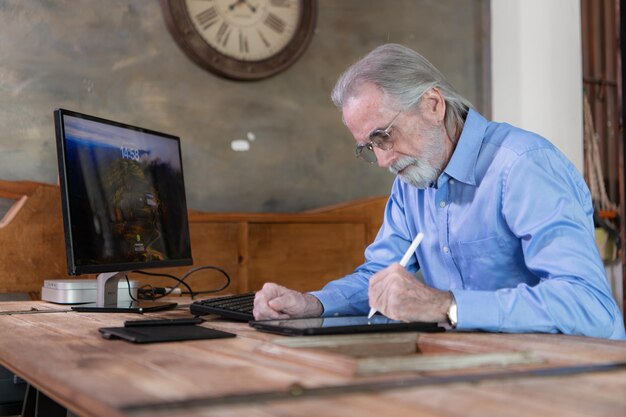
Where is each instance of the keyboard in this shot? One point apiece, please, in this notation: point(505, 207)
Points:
point(235, 307)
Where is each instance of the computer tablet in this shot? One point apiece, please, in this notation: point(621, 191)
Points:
point(166, 333)
point(341, 325)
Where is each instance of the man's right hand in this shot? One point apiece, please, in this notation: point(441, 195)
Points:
point(274, 301)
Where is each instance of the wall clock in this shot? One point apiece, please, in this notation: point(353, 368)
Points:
point(242, 39)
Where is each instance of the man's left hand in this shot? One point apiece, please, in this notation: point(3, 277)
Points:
point(397, 294)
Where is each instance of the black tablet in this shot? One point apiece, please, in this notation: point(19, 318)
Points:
point(341, 325)
point(167, 333)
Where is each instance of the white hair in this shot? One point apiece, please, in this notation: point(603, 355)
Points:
point(404, 76)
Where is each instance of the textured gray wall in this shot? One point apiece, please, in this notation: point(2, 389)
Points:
point(116, 59)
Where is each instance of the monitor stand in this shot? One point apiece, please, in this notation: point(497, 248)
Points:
point(106, 298)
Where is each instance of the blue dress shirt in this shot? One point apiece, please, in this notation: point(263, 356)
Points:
point(508, 229)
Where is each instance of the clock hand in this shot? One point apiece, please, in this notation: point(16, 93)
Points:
point(235, 4)
point(238, 2)
point(251, 7)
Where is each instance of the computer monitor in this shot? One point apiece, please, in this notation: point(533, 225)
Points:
point(123, 203)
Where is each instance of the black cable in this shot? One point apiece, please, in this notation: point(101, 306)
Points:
point(178, 280)
point(130, 293)
point(215, 268)
point(146, 288)
point(181, 281)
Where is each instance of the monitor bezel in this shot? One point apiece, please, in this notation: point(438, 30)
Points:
point(72, 268)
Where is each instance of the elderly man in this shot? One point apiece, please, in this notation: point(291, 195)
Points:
point(507, 220)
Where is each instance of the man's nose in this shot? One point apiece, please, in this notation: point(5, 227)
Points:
point(383, 158)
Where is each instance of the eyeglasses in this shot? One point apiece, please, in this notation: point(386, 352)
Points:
point(379, 138)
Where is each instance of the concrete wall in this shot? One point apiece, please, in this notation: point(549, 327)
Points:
point(116, 59)
point(537, 70)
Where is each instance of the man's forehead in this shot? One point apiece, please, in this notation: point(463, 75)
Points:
point(366, 94)
point(364, 111)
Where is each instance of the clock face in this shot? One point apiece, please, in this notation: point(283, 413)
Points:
point(249, 30)
point(242, 39)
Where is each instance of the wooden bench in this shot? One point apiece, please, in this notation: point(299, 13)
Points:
point(300, 250)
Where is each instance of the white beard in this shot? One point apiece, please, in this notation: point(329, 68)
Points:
point(420, 173)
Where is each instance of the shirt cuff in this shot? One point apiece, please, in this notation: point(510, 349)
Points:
point(330, 301)
point(477, 310)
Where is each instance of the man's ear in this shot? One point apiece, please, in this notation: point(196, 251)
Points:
point(433, 106)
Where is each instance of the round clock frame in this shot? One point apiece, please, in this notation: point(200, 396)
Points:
point(195, 46)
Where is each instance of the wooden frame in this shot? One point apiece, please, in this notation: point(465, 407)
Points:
point(302, 250)
point(602, 81)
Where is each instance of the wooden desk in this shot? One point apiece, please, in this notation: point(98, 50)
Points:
point(63, 355)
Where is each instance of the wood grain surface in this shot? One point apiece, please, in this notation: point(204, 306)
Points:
point(259, 374)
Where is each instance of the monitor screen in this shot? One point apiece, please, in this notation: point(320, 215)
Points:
point(123, 196)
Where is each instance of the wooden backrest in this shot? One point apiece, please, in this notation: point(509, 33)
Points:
point(32, 247)
point(301, 251)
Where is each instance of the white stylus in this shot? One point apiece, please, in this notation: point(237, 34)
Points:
point(405, 259)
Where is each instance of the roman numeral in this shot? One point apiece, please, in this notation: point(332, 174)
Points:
point(275, 23)
point(223, 33)
point(207, 18)
point(267, 44)
point(243, 43)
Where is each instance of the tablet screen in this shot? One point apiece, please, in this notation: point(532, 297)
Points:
point(341, 325)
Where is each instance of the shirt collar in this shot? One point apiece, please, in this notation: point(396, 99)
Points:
point(462, 164)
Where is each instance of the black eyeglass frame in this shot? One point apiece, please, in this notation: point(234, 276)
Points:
point(380, 138)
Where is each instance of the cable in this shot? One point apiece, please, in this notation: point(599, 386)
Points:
point(223, 287)
point(154, 291)
point(178, 280)
point(130, 293)
point(146, 289)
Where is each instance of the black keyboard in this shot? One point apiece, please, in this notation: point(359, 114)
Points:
point(235, 307)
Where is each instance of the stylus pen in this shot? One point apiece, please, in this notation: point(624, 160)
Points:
point(405, 260)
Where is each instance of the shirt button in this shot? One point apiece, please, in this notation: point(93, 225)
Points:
point(446, 249)
point(451, 181)
point(442, 204)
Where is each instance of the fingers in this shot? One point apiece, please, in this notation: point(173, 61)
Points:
point(284, 303)
point(274, 301)
point(398, 295)
point(262, 308)
point(377, 288)
point(386, 287)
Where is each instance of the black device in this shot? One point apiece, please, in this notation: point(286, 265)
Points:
point(163, 322)
point(123, 202)
point(235, 307)
point(163, 333)
point(341, 325)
